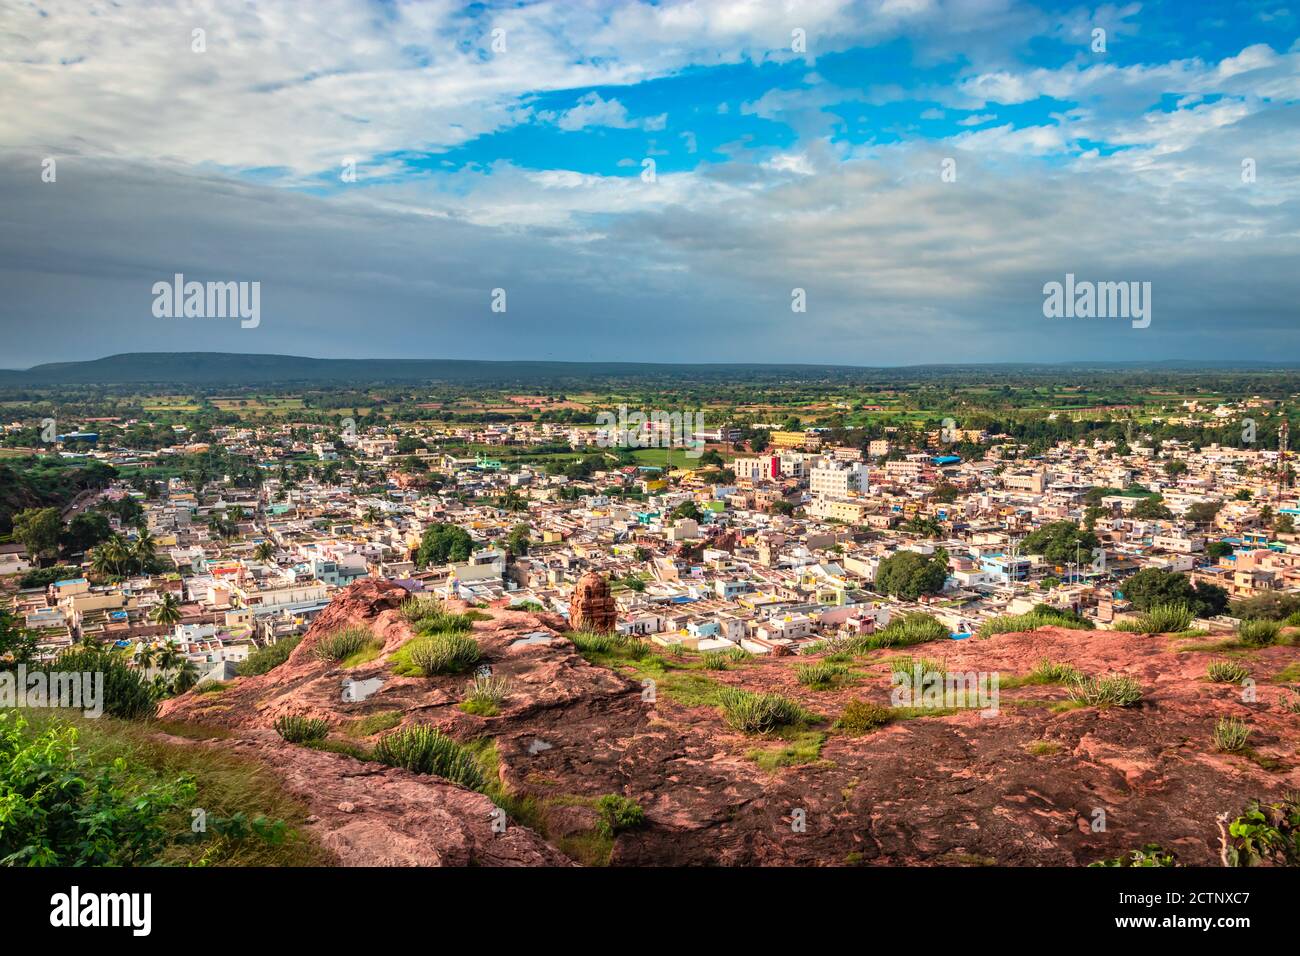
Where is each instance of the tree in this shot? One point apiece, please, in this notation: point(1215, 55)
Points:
point(144, 552)
point(17, 645)
point(1203, 512)
point(85, 531)
point(1175, 468)
point(923, 525)
point(687, 509)
point(909, 575)
point(38, 529)
point(1285, 524)
point(264, 551)
point(444, 543)
point(1060, 542)
point(1152, 508)
point(1151, 587)
point(168, 611)
point(517, 541)
point(1218, 549)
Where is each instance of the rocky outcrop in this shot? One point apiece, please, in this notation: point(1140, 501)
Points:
point(592, 607)
point(1042, 782)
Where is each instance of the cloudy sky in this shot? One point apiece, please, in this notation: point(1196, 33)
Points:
point(651, 181)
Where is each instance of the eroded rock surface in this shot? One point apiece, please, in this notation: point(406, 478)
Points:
point(1021, 788)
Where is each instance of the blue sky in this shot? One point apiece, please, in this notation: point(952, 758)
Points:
point(505, 146)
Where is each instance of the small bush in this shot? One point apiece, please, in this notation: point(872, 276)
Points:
point(1291, 703)
point(913, 628)
point(1161, 619)
point(861, 717)
point(821, 675)
point(618, 814)
point(296, 729)
point(1150, 855)
point(1050, 672)
point(593, 642)
point(268, 658)
point(424, 749)
point(755, 713)
point(1226, 672)
point(1259, 633)
point(1266, 834)
point(427, 614)
point(714, 660)
point(448, 653)
point(1113, 690)
point(737, 654)
point(343, 643)
point(484, 695)
point(126, 692)
point(1231, 734)
point(908, 666)
point(1041, 616)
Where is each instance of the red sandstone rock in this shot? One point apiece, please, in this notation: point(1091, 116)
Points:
point(955, 789)
point(592, 608)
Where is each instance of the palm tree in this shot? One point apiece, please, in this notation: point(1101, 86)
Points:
point(186, 677)
point(265, 551)
point(168, 658)
point(144, 657)
point(101, 564)
point(111, 557)
point(370, 515)
point(144, 551)
point(168, 611)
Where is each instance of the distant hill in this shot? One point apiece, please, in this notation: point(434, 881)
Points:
point(226, 368)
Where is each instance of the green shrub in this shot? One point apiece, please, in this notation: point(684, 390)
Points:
point(448, 653)
point(1226, 672)
point(427, 614)
point(1150, 855)
point(60, 808)
point(618, 814)
point(1259, 633)
point(424, 749)
point(1067, 617)
point(821, 675)
point(755, 713)
point(484, 695)
point(1161, 619)
point(908, 666)
point(1266, 834)
point(912, 628)
point(1113, 690)
point(861, 717)
point(714, 660)
point(737, 654)
point(268, 658)
point(1050, 672)
point(594, 642)
point(1041, 616)
point(296, 729)
point(344, 643)
point(126, 692)
point(1231, 734)
point(1291, 703)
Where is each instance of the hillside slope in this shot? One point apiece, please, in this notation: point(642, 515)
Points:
point(946, 787)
